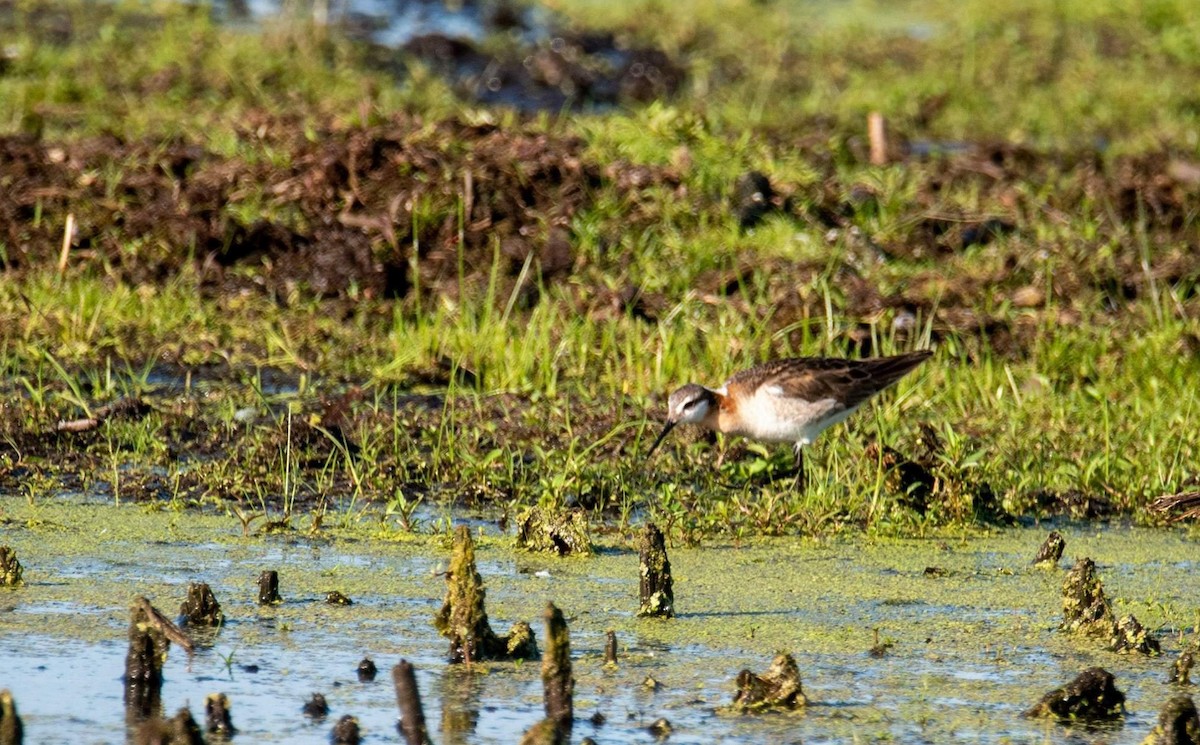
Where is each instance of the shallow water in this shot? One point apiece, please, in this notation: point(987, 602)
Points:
point(971, 650)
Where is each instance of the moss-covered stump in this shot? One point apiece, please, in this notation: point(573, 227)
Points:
point(1130, 636)
point(218, 720)
point(1051, 550)
point(1085, 608)
point(10, 568)
point(655, 591)
point(1087, 611)
point(463, 619)
point(12, 732)
point(150, 636)
point(558, 684)
point(201, 608)
point(1181, 669)
point(1178, 724)
point(562, 532)
point(778, 688)
point(408, 699)
point(180, 729)
point(1092, 696)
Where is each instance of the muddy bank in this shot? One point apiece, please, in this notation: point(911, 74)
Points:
point(419, 211)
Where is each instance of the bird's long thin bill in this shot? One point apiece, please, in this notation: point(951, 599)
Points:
point(670, 426)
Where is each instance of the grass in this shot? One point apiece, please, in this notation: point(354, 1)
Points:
point(1089, 391)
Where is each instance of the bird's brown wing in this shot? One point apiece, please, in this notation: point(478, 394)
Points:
point(850, 382)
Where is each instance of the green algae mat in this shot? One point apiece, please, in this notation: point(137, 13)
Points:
point(903, 640)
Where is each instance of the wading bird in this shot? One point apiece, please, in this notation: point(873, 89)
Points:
point(791, 400)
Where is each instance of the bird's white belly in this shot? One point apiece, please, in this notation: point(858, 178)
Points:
point(772, 418)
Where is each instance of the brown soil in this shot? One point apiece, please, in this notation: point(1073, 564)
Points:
point(360, 208)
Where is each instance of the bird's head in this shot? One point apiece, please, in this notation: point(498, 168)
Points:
point(690, 404)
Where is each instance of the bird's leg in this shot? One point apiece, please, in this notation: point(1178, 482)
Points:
point(801, 482)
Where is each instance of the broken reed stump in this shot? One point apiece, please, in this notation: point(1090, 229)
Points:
point(316, 707)
point(201, 607)
point(610, 648)
point(778, 688)
point(1178, 724)
point(558, 685)
point(1085, 608)
point(10, 569)
point(657, 598)
point(1087, 611)
point(150, 636)
point(463, 619)
point(1051, 550)
point(268, 588)
point(877, 138)
point(563, 532)
point(1091, 696)
point(180, 729)
point(12, 731)
point(346, 732)
point(408, 699)
point(1181, 670)
point(217, 718)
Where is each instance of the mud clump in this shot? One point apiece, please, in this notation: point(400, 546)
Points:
point(201, 607)
point(463, 619)
point(1092, 696)
point(564, 532)
point(754, 198)
point(10, 568)
point(1178, 724)
point(655, 589)
point(1051, 550)
point(913, 482)
point(778, 688)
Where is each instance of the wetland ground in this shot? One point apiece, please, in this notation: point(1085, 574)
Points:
point(970, 648)
point(309, 294)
